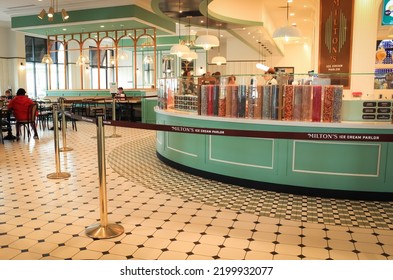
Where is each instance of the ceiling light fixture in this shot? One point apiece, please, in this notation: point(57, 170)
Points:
point(47, 59)
point(219, 59)
point(42, 14)
point(53, 9)
point(179, 49)
point(260, 65)
point(82, 59)
point(121, 53)
point(287, 33)
point(190, 55)
point(207, 41)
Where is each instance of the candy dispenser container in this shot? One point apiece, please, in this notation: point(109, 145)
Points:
point(235, 101)
point(297, 103)
point(210, 100)
point(327, 108)
point(258, 104)
point(228, 105)
point(266, 103)
point(204, 99)
point(275, 102)
point(337, 103)
point(216, 99)
point(171, 90)
point(222, 98)
point(316, 103)
point(252, 97)
point(242, 97)
point(306, 104)
point(288, 102)
point(161, 94)
point(198, 90)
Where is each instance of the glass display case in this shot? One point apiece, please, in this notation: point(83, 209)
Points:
point(249, 98)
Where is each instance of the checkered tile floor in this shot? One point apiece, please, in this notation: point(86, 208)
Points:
point(167, 214)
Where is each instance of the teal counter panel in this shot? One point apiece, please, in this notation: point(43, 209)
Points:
point(321, 165)
point(182, 144)
point(337, 158)
point(250, 152)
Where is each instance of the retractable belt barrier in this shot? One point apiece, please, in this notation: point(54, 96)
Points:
point(107, 230)
point(354, 137)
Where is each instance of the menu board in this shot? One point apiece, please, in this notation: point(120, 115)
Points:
point(377, 110)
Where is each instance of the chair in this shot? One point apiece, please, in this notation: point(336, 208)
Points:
point(3, 126)
point(44, 114)
point(108, 110)
point(32, 116)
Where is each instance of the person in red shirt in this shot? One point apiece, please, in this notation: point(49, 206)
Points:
point(20, 106)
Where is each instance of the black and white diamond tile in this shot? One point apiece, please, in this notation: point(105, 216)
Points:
point(167, 214)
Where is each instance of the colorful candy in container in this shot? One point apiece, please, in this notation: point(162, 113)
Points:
point(254, 111)
point(297, 103)
point(266, 103)
point(235, 101)
point(275, 102)
point(327, 110)
point(228, 101)
point(242, 95)
point(288, 102)
point(222, 100)
point(306, 104)
point(204, 99)
point(337, 103)
point(316, 103)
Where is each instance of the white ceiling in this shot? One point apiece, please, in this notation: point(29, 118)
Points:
point(304, 12)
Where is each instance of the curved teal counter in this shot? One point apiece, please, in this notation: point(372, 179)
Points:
point(350, 169)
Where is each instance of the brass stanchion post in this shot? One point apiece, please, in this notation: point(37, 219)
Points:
point(103, 229)
point(58, 174)
point(64, 126)
point(114, 135)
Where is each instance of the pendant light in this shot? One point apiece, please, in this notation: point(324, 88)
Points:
point(82, 59)
point(260, 65)
point(53, 9)
point(287, 33)
point(121, 53)
point(207, 41)
point(190, 55)
point(219, 59)
point(179, 49)
point(47, 59)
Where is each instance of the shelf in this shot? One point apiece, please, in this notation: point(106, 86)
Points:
point(383, 66)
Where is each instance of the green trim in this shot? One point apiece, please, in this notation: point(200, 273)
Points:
point(131, 16)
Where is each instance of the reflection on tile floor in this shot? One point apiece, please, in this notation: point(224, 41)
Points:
point(167, 214)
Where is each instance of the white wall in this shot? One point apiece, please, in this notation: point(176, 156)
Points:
point(12, 53)
point(298, 56)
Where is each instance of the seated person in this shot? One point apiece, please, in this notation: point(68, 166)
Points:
point(20, 106)
point(120, 94)
point(8, 94)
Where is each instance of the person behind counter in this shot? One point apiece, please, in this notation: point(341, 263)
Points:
point(231, 80)
point(20, 106)
point(207, 79)
point(188, 83)
point(269, 77)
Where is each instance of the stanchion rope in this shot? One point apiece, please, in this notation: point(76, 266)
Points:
point(312, 136)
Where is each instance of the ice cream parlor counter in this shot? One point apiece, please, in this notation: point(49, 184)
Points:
point(349, 158)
